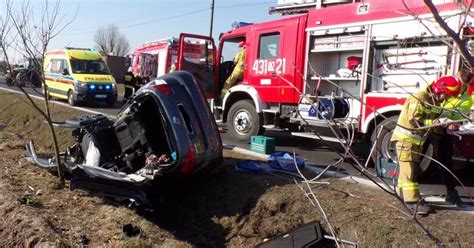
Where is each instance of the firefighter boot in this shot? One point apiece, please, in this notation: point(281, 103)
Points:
point(419, 208)
point(452, 198)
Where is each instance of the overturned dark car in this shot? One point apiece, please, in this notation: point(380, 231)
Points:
point(165, 131)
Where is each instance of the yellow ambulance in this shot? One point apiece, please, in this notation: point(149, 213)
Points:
point(79, 75)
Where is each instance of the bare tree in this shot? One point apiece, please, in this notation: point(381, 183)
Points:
point(110, 41)
point(29, 34)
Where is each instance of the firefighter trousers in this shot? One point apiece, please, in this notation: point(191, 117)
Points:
point(231, 80)
point(444, 154)
point(408, 160)
point(129, 90)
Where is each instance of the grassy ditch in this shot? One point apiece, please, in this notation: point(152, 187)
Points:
point(21, 118)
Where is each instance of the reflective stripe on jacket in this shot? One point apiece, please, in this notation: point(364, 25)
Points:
point(401, 133)
point(418, 110)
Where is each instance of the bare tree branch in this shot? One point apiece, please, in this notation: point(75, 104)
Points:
point(451, 33)
point(110, 41)
point(31, 39)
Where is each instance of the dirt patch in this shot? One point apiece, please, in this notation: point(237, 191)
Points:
point(221, 209)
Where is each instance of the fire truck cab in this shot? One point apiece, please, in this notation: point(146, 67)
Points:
point(189, 52)
point(348, 66)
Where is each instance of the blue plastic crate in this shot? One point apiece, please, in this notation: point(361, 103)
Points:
point(262, 144)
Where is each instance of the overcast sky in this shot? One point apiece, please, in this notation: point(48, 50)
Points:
point(146, 20)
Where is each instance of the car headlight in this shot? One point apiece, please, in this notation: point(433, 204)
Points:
point(80, 84)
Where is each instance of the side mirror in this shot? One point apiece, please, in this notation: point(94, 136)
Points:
point(65, 72)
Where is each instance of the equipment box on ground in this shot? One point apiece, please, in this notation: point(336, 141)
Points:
point(387, 169)
point(262, 144)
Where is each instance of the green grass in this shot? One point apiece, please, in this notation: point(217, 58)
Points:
point(20, 117)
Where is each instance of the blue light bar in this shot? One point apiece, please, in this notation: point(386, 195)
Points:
point(237, 24)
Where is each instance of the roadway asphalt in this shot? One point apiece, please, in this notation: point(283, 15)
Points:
point(315, 152)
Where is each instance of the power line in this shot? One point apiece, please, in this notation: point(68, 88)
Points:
point(171, 17)
point(243, 5)
point(165, 18)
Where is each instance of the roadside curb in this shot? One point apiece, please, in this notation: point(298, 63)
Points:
point(246, 152)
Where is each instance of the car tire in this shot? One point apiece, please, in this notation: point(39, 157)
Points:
point(386, 149)
point(244, 121)
point(35, 79)
point(22, 79)
point(9, 81)
point(71, 99)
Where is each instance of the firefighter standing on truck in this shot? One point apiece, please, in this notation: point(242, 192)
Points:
point(129, 82)
point(238, 72)
point(420, 110)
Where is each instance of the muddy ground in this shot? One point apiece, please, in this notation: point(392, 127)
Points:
point(221, 209)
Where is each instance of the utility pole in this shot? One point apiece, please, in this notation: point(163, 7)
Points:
point(212, 18)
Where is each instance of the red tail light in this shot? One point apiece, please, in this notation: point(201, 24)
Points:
point(162, 86)
point(189, 162)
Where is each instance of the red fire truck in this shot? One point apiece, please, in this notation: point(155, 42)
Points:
point(156, 58)
point(374, 50)
point(349, 61)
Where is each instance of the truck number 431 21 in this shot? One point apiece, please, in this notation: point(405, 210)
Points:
point(264, 66)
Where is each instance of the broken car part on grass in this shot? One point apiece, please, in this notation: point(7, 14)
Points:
point(166, 130)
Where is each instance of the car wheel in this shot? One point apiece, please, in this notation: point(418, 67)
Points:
point(244, 121)
point(70, 98)
point(35, 79)
point(385, 148)
point(9, 81)
point(22, 79)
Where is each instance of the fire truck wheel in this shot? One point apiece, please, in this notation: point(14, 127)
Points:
point(244, 121)
point(386, 149)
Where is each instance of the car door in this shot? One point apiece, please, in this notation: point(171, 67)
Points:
point(196, 55)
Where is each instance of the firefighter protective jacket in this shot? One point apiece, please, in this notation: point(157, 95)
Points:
point(456, 108)
point(419, 110)
point(239, 61)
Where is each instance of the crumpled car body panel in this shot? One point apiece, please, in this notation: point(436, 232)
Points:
point(165, 130)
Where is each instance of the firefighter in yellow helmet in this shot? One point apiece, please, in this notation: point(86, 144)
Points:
point(420, 110)
point(238, 72)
